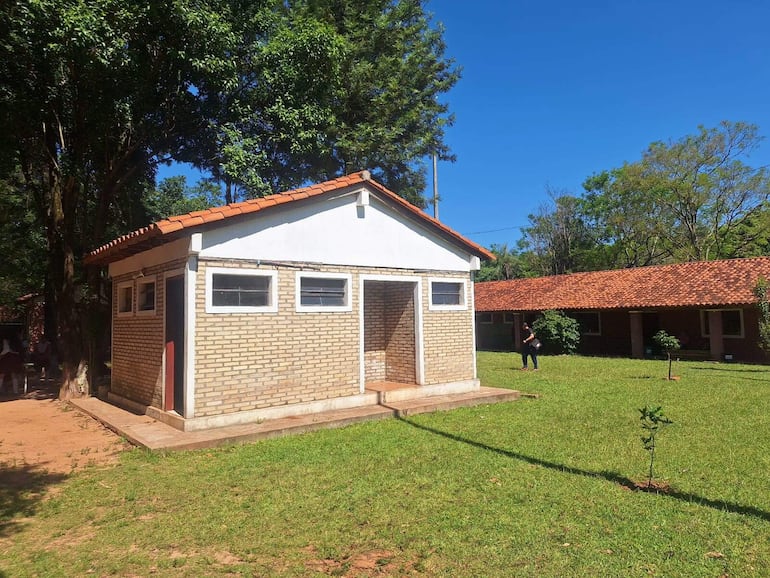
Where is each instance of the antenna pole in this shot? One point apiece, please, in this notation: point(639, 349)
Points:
point(435, 186)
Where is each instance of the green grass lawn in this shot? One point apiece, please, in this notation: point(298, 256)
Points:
point(537, 487)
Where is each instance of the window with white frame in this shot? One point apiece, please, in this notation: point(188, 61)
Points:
point(323, 292)
point(732, 323)
point(145, 296)
point(232, 290)
point(447, 294)
point(125, 299)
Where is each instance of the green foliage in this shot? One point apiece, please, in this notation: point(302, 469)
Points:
point(685, 200)
point(507, 265)
point(667, 343)
point(703, 184)
point(653, 421)
point(388, 116)
point(173, 197)
point(629, 223)
point(22, 244)
point(761, 293)
point(558, 238)
point(559, 333)
point(265, 95)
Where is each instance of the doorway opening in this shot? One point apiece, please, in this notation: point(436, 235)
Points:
point(174, 378)
point(390, 341)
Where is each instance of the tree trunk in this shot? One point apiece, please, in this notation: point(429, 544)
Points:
point(61, 233)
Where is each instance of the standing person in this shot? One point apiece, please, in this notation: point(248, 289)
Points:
point(11, 364)
point(528, 347)
point(41, 357)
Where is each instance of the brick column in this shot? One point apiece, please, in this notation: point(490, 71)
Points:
point(637, 334)
point(517, 321)
point(716, 342)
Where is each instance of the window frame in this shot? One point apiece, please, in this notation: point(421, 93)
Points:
point(507, 318)
point(150, 280)
point(120, 288)
point(462, 306)
point(271, 307)
point(346, 277)
point(706, 331)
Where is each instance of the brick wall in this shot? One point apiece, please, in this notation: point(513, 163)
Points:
point(375, 338)
point(258, 360)
point(400, 332)
point(389, 331)
point(448, 339)
point(137, 350)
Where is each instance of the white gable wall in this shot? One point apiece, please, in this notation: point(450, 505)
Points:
point(340, 231)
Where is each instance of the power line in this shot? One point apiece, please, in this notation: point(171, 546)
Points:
point(495, 230)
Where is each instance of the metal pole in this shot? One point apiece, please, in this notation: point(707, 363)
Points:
point(435, 187)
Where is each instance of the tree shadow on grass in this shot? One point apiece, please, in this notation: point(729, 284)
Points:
point(613, 477)
point(736, 373)
point(21, 490)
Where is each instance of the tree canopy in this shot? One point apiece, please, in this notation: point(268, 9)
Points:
point(263, 94)
point(692, 199)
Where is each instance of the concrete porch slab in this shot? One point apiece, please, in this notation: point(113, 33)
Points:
point(144, 431)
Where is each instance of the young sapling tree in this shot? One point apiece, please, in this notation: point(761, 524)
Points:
point(667, 343)
point(653, 421)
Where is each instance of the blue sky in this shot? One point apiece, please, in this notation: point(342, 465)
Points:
point(553, 91)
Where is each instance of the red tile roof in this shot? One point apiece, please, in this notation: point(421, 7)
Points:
point(697, 284)
point(175, 227)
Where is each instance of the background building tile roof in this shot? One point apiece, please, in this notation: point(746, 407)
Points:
point(696, 284)
point(178, 226)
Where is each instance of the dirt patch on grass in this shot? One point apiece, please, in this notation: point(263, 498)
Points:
point(38, 433)
point(370, 563)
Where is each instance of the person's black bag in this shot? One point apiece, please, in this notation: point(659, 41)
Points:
point(536, 344)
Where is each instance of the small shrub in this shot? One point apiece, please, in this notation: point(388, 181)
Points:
point(559, 333)
point(667, 343)
point(653, 421)
point(760, 291)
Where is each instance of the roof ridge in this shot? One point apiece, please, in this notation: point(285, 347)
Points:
point(640, 268)
point(132, 242)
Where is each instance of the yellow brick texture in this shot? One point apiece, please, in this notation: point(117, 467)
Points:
point(137, 351)
point(260, 360)
point(448, 340)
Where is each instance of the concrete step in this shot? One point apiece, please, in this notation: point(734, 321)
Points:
point(452, 401)
point(144, 431)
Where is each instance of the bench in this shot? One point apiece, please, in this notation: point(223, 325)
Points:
point(692, 355)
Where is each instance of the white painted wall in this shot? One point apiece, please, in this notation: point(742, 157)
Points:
point(163, 254)
point(341, 230)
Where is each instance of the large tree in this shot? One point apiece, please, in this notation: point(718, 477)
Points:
point(558, 239)
point(686, 200)
point(690, 199)
point(263, 93)
point(389, 116)
point(626, 218)
point(703, 184)
point(507, 265)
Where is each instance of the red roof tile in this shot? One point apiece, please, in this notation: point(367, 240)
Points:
point(697, 284)
point(180, 225)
